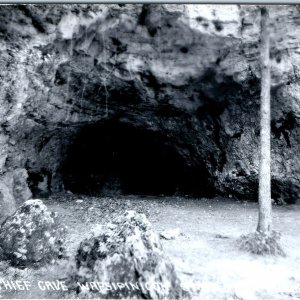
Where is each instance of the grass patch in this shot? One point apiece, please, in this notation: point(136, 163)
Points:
point(262, 243)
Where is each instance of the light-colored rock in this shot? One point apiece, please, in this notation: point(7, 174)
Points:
point(21, 191)
point(170, 234)
point(14, 190)
point(7, 201)
point(126, 252)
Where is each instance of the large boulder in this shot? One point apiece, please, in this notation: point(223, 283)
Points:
point(31, 236)
point(125, 260)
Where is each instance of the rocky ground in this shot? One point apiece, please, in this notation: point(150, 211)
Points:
point(205, 253)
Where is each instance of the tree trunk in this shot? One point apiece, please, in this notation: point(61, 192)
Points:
point(265, 205)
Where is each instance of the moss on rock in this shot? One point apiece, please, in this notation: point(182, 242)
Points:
point(32, 236)
point(127, 253)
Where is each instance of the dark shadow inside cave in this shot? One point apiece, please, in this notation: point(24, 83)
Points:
point(121, 159)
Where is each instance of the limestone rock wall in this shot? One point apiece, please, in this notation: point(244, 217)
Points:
point(188, 71)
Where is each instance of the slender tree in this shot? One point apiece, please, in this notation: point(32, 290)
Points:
point(265, 240)
point(265, 205)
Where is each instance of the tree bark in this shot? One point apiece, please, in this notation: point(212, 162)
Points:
point(265, 205)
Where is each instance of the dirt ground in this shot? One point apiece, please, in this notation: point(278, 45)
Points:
point(206, 254)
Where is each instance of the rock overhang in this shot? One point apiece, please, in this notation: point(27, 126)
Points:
point(165, 68)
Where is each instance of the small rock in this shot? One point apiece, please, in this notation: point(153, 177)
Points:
point(79, 201)
point(221, 236)
point(171, 234)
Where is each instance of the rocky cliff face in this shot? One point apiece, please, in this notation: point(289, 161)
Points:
point(185, 76)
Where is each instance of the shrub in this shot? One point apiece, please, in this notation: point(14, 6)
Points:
point(262, 243)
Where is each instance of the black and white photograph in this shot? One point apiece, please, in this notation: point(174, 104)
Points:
point(150, 151)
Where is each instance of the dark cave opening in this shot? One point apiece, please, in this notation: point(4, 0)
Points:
point(118, 158)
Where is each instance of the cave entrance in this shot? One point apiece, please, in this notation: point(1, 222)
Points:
point(121, 159)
